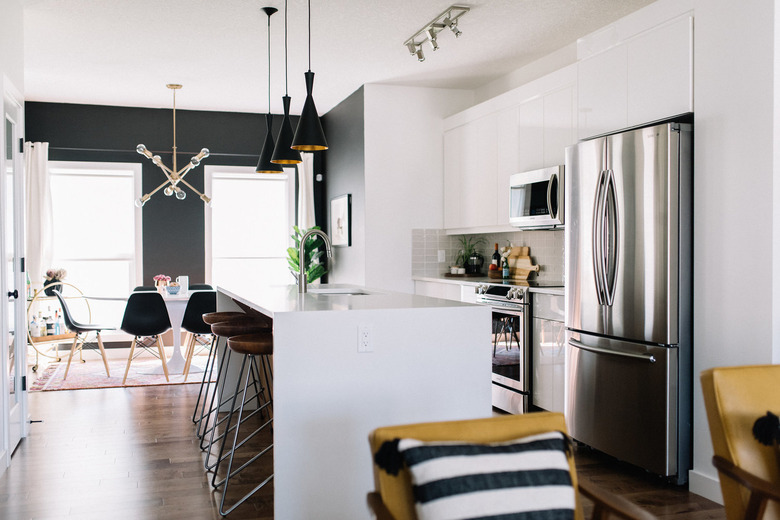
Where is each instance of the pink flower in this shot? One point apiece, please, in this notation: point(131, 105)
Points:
point(162, 278)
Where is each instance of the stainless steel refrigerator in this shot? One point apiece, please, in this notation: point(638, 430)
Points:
point(628, 296)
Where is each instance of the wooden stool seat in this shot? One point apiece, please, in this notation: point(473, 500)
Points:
point(239, 326)
point(258, 344)
point(210, 318)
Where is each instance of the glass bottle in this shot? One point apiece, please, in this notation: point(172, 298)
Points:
point(505, 269)
point(35, 329)
point(496, 258)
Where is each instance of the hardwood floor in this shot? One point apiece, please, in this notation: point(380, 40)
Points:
point(130, 453)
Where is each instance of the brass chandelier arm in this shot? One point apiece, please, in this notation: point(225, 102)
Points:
point(199, 194)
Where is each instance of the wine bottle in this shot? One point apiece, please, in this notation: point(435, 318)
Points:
point(496, 258)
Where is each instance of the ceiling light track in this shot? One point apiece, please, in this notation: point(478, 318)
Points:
point(448, 19)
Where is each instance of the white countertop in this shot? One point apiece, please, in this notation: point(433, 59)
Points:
point(476, 280)
point(271, 300)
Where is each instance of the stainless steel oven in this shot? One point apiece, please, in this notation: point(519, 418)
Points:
point(511, 371)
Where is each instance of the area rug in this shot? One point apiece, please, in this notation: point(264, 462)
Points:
point(92, 374)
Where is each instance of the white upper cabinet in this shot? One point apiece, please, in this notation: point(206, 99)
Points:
point(602, 89)
point(660, 72)
point(645, 78)
point(453, 140)
point(524, 129)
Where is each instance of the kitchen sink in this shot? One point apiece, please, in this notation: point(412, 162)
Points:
point(337, 291)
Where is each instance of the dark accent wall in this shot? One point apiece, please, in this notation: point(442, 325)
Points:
point(173, 230)
point(344, 128)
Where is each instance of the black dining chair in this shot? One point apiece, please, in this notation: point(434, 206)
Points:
point(146, 317)
point(200, 303)
point(82, 330)
point(201, 287)
point(145, 288)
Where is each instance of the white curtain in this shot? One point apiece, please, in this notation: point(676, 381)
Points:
point(306, 191)
point(39, 211)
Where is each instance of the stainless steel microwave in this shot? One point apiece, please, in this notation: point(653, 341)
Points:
point(536, 199)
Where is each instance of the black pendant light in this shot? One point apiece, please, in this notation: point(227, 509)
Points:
point(264, 165)
point(283, 154)
point(309, 136)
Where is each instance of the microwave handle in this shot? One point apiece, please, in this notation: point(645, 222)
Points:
point(549, 194)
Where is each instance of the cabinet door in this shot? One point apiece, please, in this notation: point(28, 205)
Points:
point(447, 291)
point(559, 125)
point(660, 65)
point(548, 351)
point(478, 173)
point(508, 160)
point(452, 185)
point(601, 91)
point(530, 135)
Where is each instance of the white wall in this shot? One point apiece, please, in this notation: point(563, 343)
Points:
point(403, 175)
point(733, 196)
point(12, 42)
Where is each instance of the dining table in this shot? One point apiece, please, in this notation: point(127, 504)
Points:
point(176, 304)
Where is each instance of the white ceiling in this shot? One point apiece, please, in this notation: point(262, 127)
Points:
point(123, 52)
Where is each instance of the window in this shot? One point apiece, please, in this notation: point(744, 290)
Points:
point(248, 226)
point(97, 231)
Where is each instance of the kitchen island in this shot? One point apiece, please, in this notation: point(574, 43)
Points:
point(424, 359)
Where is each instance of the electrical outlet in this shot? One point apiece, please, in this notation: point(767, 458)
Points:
point(364, 339)
point(442, 258)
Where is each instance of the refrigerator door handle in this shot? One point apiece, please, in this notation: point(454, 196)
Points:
point(597, 237)
point(598, 350)
point(611, 234)
point(549, 195)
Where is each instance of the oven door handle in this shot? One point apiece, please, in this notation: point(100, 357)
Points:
point(598, 350)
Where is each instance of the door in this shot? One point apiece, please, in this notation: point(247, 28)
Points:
point(625, 234)
point(14, 332)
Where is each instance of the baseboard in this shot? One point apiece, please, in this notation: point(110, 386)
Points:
point(705, 485)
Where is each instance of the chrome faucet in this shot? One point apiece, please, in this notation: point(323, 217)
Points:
point(302, 256)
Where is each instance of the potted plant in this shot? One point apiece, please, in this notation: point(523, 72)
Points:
point(469, 248)
point(51, 279)
point(314, 269)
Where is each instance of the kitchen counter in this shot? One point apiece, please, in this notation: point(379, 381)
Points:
point(428, 360)
point(476, 280)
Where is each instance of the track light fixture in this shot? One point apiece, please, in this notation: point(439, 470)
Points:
point(446, 20)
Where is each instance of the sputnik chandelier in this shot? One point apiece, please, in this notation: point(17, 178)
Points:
point(174, 177)
point(448, 19)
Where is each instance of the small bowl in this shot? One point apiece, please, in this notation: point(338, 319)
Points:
point(461, 270)
point(173, 289)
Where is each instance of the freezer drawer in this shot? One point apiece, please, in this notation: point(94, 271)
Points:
point(623, 400)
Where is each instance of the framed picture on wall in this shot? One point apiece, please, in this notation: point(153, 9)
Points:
point(341, 220)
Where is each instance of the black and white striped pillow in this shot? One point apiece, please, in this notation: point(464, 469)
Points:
point(524, 479)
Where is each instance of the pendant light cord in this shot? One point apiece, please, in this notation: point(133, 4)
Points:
point(269, 64)
point(286, 93)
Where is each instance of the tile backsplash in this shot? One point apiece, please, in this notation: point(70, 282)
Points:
point(546, 250)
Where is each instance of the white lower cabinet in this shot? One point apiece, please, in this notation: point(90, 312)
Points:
point(447, 291)
point(548, 352)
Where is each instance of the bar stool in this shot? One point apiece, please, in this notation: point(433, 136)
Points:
point(209, 319)
point(254, 348)
point(234, 327)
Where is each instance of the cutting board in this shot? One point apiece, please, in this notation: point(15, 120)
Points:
point(520, 265)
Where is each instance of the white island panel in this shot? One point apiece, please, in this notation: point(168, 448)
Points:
point(430, 362)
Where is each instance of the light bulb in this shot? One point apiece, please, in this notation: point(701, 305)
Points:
point(141, 149)
point(168, 191)
point(180, 194)
point(204, 152)
point(195, 161)
point(139, 202)
point(156, 160)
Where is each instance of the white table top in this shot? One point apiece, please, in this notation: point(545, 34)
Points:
point(285, 298)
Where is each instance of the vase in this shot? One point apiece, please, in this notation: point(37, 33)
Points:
point(49, 286)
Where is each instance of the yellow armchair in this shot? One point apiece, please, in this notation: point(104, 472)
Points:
point(393, 498)
point(749, 474)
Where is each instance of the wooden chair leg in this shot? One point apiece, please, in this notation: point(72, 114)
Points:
point(162, 356)
point(103, 353)
point(129, 359)
point(188, 352)
point(70, 356)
